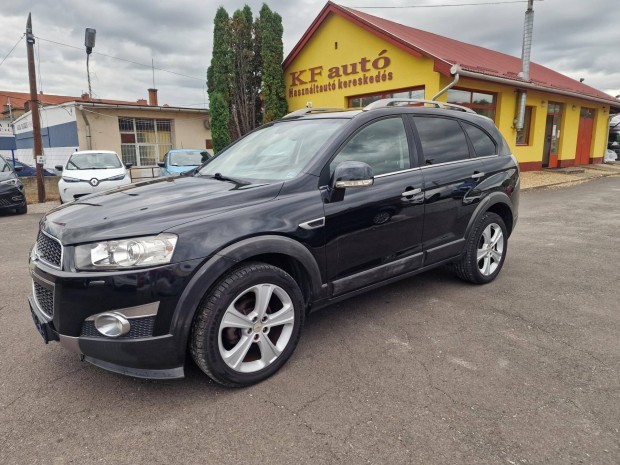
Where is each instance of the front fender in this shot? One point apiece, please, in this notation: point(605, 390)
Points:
point(213, 269)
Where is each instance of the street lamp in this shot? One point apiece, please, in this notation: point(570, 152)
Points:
point(89, 43)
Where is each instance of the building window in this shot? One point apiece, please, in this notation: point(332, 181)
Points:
point(483, 103)
point(144, 141)
point(523, 135)
point(367, 99)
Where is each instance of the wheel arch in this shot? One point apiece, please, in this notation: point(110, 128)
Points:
point(280, 251)
point(498, 203)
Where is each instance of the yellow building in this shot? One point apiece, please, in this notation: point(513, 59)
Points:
point(347, 58)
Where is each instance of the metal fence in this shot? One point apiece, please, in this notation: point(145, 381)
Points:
point(143, 172)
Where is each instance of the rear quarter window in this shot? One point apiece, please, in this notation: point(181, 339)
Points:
point(483, 144)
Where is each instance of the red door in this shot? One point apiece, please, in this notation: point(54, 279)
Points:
point(584, 136)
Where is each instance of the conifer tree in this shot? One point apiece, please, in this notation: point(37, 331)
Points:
point(219, 81)
point(245, 80)
point(272, 55)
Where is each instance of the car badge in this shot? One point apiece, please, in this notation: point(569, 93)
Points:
point(94, 182)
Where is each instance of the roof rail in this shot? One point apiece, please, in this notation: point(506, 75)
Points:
point(393, 102)
point(306, 111)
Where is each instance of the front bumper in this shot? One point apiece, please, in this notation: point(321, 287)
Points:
point(63, 305)
point(70, 191)
point(12, 197)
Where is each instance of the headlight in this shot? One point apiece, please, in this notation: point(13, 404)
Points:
point(11, 182)
point(126, 253)
point(68, 179)
point(120, 177)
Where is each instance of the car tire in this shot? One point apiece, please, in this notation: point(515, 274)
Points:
point(22, 210)
point(485, 250)
point(238, 342)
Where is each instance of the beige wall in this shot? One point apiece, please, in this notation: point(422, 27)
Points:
point(188, 129)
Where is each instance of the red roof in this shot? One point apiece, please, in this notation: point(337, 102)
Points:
point(19, 98)
point(447, 52)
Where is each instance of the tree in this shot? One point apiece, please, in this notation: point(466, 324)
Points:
point(272, 54)
point(219, 81)
point(245, 80)
point(245, 92)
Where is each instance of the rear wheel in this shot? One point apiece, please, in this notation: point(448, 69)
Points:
point(485, 250)
point(248, 325)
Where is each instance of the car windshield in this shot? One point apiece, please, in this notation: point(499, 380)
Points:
point(275, 152)
point(93, 161)
point(4, 166)
point(186, 158)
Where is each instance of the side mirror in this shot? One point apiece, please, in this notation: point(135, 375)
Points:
point(128, 165)
point(58, 167)
point(161, 164)
point(18, 168)
point(352, 174)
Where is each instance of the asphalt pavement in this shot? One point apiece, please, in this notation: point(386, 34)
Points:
point(429, 370)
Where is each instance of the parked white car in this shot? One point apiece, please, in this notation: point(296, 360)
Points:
point(91, 171)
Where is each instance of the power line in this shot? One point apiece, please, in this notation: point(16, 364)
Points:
point(123, 59)
point(11, 51)
point(443, 5)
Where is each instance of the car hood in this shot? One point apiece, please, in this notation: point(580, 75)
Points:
point(150, 207)
point(87, 175)
point(4, 175)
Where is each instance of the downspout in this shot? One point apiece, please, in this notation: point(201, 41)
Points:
point(455, 70)
point(88, 139)
point(525, 61)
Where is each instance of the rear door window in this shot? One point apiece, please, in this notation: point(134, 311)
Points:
point(442, 139)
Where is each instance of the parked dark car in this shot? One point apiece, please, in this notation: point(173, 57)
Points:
point(28, 170)
point(226, 261)
point(12, 194)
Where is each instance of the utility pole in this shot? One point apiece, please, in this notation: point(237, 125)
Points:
point(34, 111)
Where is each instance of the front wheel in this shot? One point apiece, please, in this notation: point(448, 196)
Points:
point(248, 325)
point(485, 250)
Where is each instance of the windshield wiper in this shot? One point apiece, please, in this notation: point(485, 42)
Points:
point(220, 177)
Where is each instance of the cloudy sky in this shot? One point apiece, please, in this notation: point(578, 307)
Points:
point(577, 38)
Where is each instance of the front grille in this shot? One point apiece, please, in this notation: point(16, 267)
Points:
point(49, 250)
point(140, 327)
point(4, 203)
point(44, 298)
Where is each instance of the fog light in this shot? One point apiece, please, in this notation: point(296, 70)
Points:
point(112, 324)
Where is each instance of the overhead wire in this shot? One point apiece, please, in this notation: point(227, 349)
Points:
point(11, 51)
point(37, 52)
point(122, 59)
point(443, 5)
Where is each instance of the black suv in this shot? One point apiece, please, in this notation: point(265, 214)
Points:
point(227, 260)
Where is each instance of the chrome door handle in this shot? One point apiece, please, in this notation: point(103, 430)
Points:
point(477, 175)
point(411, 192)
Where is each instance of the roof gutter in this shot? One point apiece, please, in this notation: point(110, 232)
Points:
point(529, 85)
point(140, 107)
point(88, 137)
point(454, 71)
